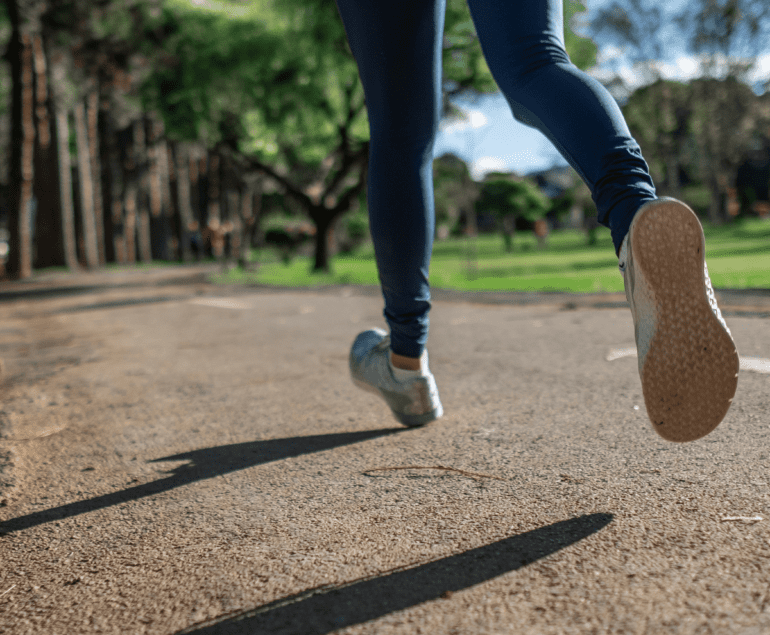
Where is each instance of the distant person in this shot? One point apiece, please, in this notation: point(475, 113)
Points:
point(687, 359)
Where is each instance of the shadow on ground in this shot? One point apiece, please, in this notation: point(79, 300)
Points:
point(328, 608)
point(203, 464)
point(48, 291)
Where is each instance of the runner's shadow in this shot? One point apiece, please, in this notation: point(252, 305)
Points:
point(203, 464)
point(329, 608)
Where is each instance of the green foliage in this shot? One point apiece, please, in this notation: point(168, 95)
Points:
point(561, 205)
point(463, 62)
point(356, 232)
point(207, 58)
point(509, 199)
point(357, 227)
point(277, 82)
point(676, 123)
point(582, 51)
point(658, 116)
point(502, 196)
point(454, 189)
point(278, 77)
point(277, 87)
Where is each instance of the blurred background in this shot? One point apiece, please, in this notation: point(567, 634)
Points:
point(162, 131)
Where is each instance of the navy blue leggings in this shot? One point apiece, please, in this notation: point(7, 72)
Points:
point(397, 45)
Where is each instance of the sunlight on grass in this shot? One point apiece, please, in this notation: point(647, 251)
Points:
point(738, 257)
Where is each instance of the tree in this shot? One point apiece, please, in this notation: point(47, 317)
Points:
point(285, 85)
point(727, 36)
point(270, 89)
point(455, 190)
point(97, 51)
point(707, 137)
point(662, 132)
point(289, 104)
point(510, 199)
point(26, 27)
point(723, 126)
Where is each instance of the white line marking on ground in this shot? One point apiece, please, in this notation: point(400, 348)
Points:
point(220, 303)
point(757, 364)
point(617, 353)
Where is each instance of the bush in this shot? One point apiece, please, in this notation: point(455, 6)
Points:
point(287, 240)
point(356, 232)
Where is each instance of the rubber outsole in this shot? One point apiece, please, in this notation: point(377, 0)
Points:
point(690, 373)
point(410, 421)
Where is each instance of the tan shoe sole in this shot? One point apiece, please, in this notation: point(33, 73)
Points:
point(690, 372)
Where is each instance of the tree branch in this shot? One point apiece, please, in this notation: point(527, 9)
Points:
point(255, 164)
point(349, 161)
point(345, 201)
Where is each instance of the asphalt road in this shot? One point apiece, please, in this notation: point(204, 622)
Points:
point(177, 457)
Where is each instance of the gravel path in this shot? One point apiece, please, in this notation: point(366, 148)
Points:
point(177, 457)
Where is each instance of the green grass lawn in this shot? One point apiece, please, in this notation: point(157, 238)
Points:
point(738, 257)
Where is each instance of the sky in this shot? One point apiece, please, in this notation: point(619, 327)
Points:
point(490, 139)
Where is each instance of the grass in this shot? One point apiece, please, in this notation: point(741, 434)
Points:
point(738, 257)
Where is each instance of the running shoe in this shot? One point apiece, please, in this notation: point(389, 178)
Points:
point(414, 402)
point(688, 362)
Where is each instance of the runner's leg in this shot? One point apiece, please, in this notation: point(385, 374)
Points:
point(523, 43)
point(397, 45)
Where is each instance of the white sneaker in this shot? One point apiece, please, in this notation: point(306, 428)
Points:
point(688, 362)
point(414, 402)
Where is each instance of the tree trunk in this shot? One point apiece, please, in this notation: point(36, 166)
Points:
point(214, 221)
point(672, 169)
point(140, 200)
point(21, 169)
point(255, 235)
point(246, 222)
point(129, 204)
point(324, 223)
point(60, 107)
point(47, 244)
point(184, 205)
point(92, 104)
point(197, 167)
point(158, 225)
point(233, 225)
point(86, 188)
point(65, 190)
point(130, 173)
point(175, 220)
point(112, 187)
point(509, 230)
point(166, 170)
point(715, 200)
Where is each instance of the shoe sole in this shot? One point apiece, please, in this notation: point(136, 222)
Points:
point(410, 421)
point(690, 373)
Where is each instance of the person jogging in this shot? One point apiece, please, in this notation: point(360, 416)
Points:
point(688, 363)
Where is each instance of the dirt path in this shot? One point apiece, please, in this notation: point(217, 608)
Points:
point(185, 458)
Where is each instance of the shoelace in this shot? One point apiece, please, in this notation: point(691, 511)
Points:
point(710, 295)
point(713, 299)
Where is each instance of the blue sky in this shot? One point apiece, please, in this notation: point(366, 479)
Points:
point(491, 139)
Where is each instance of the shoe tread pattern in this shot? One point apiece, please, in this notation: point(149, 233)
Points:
point(690, 373)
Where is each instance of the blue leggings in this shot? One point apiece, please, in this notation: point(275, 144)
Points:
point(397, 46)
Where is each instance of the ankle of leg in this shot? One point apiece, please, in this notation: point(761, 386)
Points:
point(402, 374)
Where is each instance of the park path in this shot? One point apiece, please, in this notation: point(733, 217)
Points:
point(178, 457)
